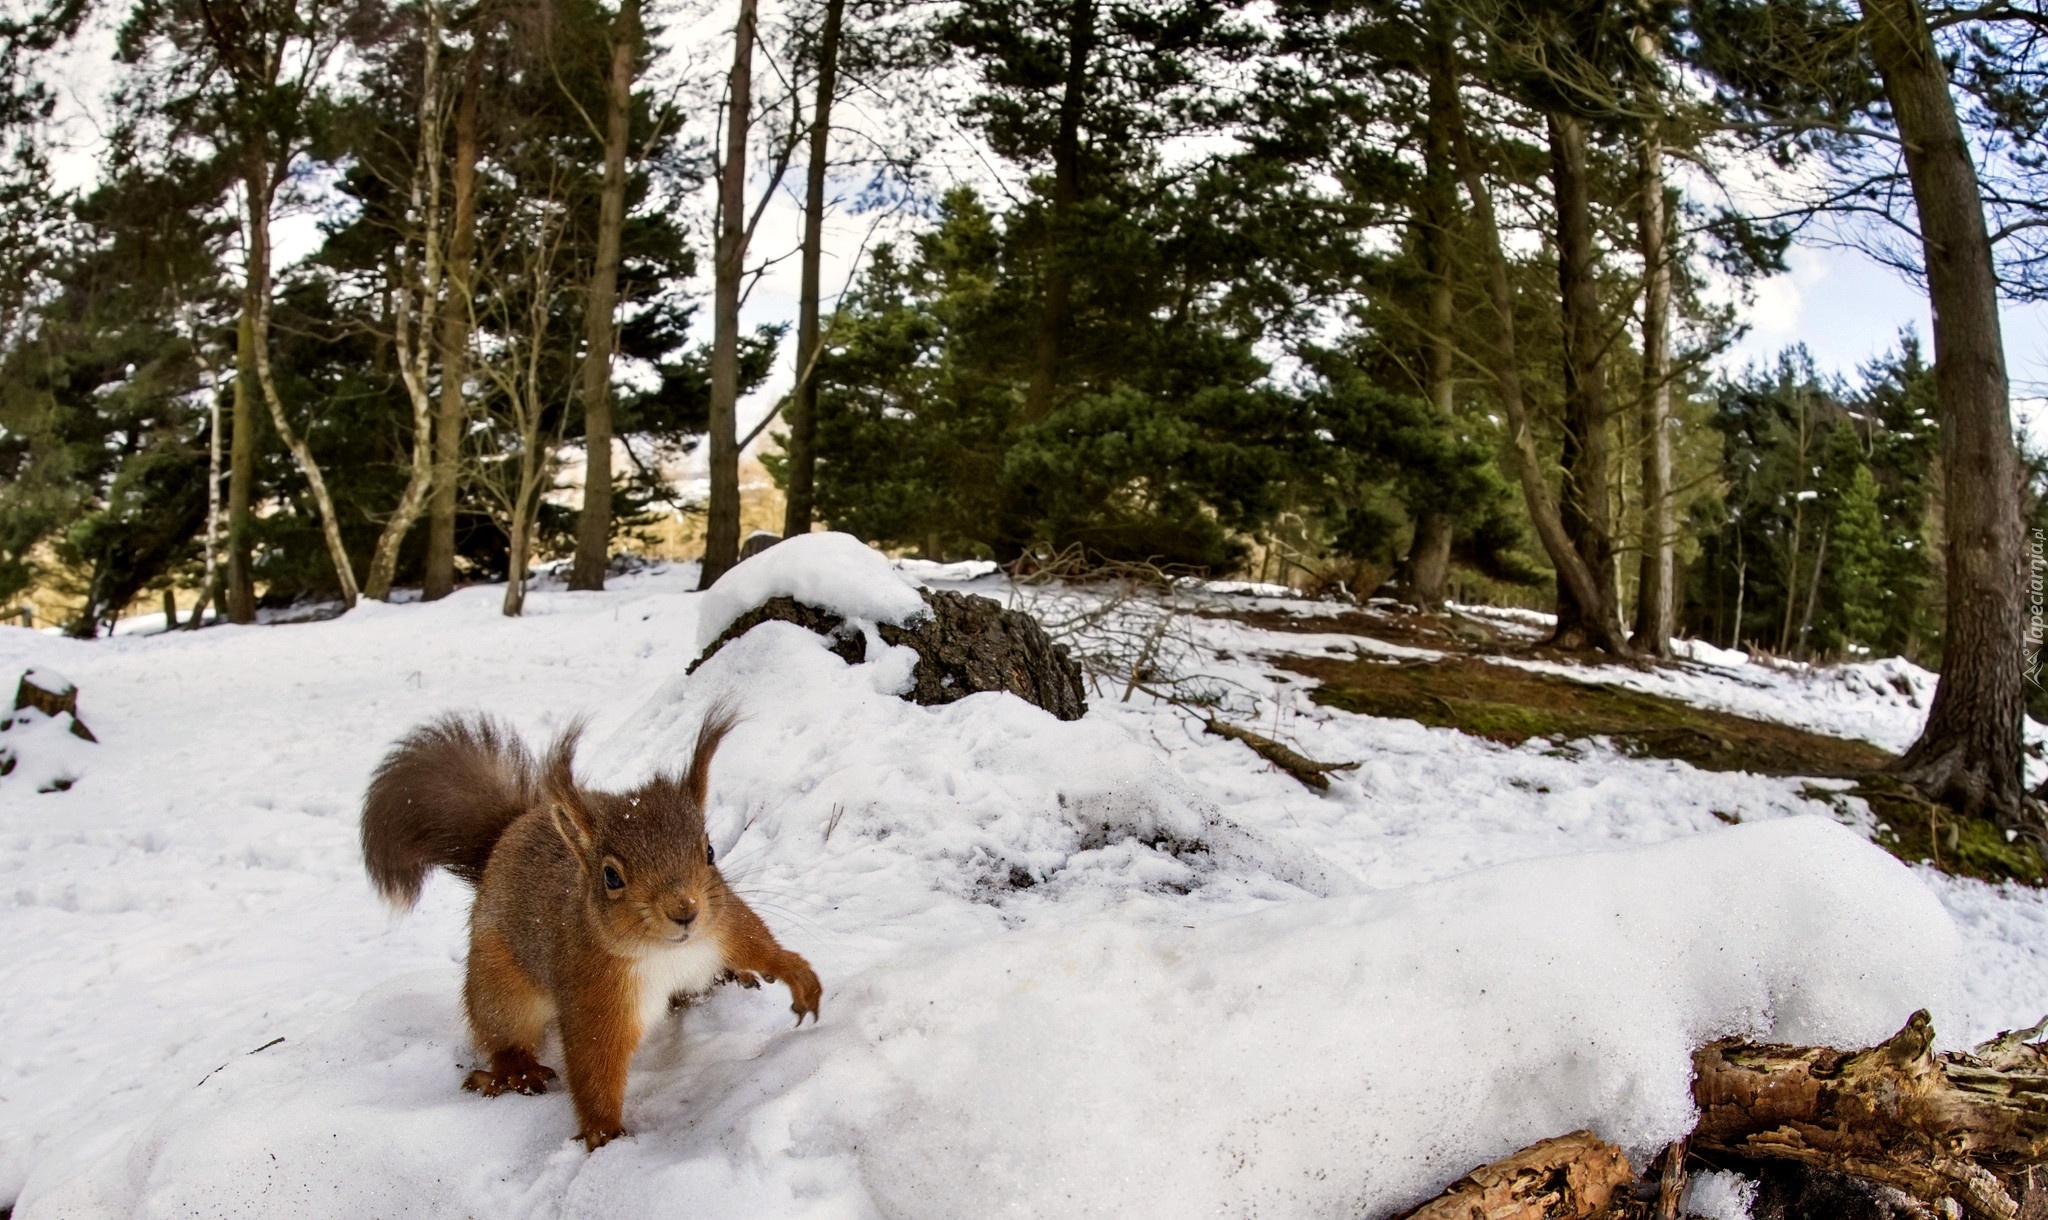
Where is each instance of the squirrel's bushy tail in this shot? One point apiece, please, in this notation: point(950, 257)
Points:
point(443, 796)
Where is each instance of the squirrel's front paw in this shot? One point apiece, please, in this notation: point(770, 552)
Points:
point(594, 1138)
point(804, 990)
point(745, 978)
point(513, 1071)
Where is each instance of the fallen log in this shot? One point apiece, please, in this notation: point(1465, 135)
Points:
point(1567, 1178)
point(1953, 1131)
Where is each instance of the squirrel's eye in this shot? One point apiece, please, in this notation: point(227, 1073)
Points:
point(612, 880)
point(710, 856)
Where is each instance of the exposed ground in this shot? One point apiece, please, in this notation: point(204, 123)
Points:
point(1475, 687)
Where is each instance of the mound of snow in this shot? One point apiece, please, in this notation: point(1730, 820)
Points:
point(38, 750)
point(835, 572)
point(1336, 1057)
point(833, 782)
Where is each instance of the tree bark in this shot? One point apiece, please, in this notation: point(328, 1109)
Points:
point(1584, 505)
point(594, 523)
point(1567, 1178)
point(1429, 554)
point(802, 412)
point(722, 530)
point(241, 585)
point(450, 416)
point(1655, 610)
point(1066, 195)
point(1572, 569)
point(1969, 752)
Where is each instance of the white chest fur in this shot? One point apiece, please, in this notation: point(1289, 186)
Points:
point(688, 968)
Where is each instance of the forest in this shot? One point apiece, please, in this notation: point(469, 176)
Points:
point(1421, 297)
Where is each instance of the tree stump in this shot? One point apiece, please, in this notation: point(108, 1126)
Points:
point(964, 645)
point(1944, 1129)
point(758, 541)
point(53, 696)
point(1566, 1178)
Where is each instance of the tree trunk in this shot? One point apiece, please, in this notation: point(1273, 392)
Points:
point(1584, 506)
point(1820, 565)
point(1572, 570)
point(259, 200)
point(211, 580)
point(1429, 555)
point(802, 412)
point(450, 417)
point(594, 524)
point(722, 530)
point(413, 336)
point(1066, 195)
point(519, 544)
point(241, 588)
point(1655, 608)
point(1969, 752)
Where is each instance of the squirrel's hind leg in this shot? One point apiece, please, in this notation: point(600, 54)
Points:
point(507, 1014)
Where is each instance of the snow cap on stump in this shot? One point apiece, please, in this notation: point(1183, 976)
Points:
point(834, 572)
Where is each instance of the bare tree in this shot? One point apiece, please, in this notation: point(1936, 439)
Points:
point(417, 298)
point(517, 457)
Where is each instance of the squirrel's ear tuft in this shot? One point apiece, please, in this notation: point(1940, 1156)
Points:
point(717, 723)
point(566, 809)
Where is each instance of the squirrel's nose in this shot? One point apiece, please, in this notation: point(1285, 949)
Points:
point(684, 917)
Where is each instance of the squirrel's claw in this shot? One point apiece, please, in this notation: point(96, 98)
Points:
point(804, 990)
point(594, 1139)
point(510, 1072)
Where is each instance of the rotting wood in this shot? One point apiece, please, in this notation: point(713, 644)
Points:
point(1311, 773)
point(1566, 1178)
point(1969, 1128)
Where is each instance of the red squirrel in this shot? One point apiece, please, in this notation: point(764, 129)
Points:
point(592, 908)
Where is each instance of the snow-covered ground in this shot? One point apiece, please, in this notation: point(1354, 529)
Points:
point(1108, 967)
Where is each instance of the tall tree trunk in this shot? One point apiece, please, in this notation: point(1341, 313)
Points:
point(802, 413)
point(260, 196)
point(1429, 555)
point(450, 416)
point(594, 524)
point(211, 580)
point(1066, 195)
point(1969, 752)
point(242, 467)
point(413, 333)
point(722, 529)
point(1655, 608)
point(1572, 570)
point(1584, 504)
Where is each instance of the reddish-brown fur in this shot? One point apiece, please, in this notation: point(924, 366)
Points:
point(551, 940)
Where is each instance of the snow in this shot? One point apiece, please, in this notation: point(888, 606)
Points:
point(830, 571)
point(40, 752)
point(1103, 967)
point(1719, 1194)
